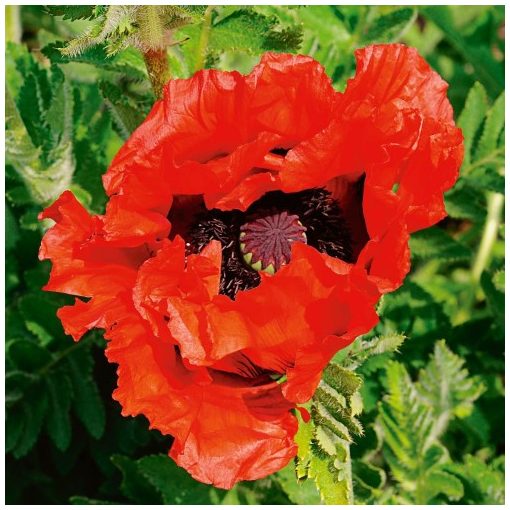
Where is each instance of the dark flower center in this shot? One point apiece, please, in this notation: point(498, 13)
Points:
point(265, 241)
point(261, 238)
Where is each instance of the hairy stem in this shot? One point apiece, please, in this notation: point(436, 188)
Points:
point(490, 234)
point(348, 474)
point(157, 67)
point(204, 39)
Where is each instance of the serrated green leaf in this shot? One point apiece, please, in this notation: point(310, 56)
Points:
point(59, 115)
point(58, 423)
point(369, 474)
point(389, 27)
point(34, 410)
point(434, 455)
point(487, 178)
point(493, 126)
point(344, 381)
point(435, 243)
point(242, 30)
point(406, 423)
point(134, 485)
point(44, 180)
point(28, 356)
point(437, 481)
point(464, 202)
point(483, 483)
point(87, 403)
point(72, 12)
point(472, 117)
point(174, 483)
point(246, 30)
point(364, 350)
point(128, 61)
point(125, 114)
point(447, 388)
point(323, 443)
point(39, 313)
point(334, 486)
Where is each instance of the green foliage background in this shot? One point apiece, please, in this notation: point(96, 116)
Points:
point(412, 413)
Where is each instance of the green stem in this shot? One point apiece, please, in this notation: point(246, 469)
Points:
point(12, 23)
point(204, 39)
point(348, 474)
point(156, 62)
point(63, 354)
point(490, 234)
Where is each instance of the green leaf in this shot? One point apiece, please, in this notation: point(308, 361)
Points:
point(365, 349)
point(368, 482)
point(87, 403)
point(390, 27)
point(44, 179)
point(134, 485)
point(28, 356)
point(464, 202)
point(300, 492)
point(483, 483)
point(125, 113)
point(437, 481)
point(492, 128)
point(11, 229)
point(58, 423)
point(174, 483)
point(72, 12)
point(405, 422)
point(487, 69)
point(495, 298)
point(14, 425)
point(327, 38)
point(39, 310)
point(129, 62)
point(471, 118)
point(487, 178)
point(447, 388)
point(34, 410)
point(243, 30)
point(435, 243)
point(324, 442)
point(498, 279)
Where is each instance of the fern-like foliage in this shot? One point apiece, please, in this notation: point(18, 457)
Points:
point(447, 388)
point(146, 27)
point(412, 418)
point(39, 128)
point(324, 453)
point(484, 154)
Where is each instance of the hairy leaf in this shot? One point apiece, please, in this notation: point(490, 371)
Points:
point(435, 243)
point(447, 388)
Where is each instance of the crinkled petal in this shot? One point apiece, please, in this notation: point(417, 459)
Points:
point(226, 428)
point(74, 270)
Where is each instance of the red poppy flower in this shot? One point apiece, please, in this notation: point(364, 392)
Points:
point(252, 223)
